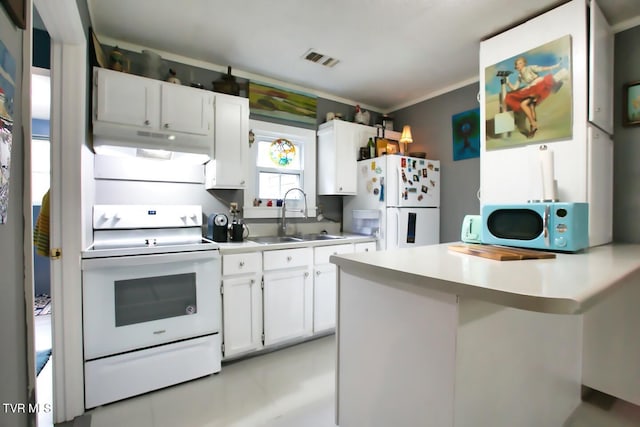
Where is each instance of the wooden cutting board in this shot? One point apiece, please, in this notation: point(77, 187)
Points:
point(500, 253)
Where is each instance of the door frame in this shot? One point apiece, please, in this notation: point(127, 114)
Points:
point(68, 146)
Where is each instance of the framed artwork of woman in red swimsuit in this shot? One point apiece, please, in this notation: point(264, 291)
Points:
point(528, 97)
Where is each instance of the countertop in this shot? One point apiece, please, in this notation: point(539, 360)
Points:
point(567, 284)
point(249, 246)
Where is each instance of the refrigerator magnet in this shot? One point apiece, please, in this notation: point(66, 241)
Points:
point(414, 164)
point(369, 186)
point(373, 166)
point(416, 178)
point(374, 179)
point(424, 173)
point(421, 162)
point(433, 183)
point(420, 197)
point(376, 191)
point(404, 176)
point(403, 162)
point(425, 189)
point(378, 171)
point(413, 190)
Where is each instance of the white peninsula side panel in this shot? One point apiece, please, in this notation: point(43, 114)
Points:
point(412, 356)
point(396, 355)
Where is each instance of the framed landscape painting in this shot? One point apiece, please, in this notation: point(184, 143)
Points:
point(284, 104)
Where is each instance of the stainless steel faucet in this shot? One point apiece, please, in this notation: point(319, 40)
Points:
point(282, 230)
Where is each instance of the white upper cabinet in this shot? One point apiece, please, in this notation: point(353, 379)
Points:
point(229, 166)
point(186, 109)
point(134, 111)
point(127, 99)
point(601, 45)
point(338, 146)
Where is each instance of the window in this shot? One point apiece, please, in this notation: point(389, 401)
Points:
point(283, 157)
point(279, 167)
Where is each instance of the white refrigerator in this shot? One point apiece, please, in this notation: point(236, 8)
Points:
point(398, 201)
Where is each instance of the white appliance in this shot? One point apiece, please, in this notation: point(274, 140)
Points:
point(152, 309)
point(398, 201)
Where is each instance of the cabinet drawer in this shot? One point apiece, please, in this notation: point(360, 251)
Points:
point(322, 253)
point(241, 263)
point(286, 258)
point(365, 247)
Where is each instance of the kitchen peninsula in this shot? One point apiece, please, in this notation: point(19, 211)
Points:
point(432, 337)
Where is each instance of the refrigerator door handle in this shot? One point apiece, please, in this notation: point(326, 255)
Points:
point(397, 214)
point(398, 192)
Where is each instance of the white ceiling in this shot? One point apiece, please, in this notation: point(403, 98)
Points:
point(392, 53)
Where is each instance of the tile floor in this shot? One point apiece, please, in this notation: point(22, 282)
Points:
point(293, 387)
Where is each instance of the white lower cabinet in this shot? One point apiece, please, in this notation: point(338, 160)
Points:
point(241, 303)
point(274, 296)
point(324, 286)
point(287, 295)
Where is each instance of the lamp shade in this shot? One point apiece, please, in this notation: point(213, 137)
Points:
point(406, 135)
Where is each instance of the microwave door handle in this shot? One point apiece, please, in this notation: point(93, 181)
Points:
point(545, 225)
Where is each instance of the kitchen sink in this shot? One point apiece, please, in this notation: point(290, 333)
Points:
point(274, 239)
point(318, 236)
point(297, 238)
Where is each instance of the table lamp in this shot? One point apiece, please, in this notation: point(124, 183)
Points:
point(406, 137)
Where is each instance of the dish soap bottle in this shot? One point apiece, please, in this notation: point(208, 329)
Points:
point(372, 148)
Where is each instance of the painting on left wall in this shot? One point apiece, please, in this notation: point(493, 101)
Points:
point(7, 93)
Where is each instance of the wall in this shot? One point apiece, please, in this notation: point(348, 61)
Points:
point(430, 123)
point(626, 151)
point(13, 329)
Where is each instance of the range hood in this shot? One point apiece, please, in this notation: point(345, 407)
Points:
point(149, 141)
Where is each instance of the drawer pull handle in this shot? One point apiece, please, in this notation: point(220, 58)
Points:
point(317, 273)
point(289, 259)
point(306, 274)
point(241, 264)
point(147, 122)
point(253, 281)
point(366, 249)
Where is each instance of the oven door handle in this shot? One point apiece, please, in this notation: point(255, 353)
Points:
point(140, 260)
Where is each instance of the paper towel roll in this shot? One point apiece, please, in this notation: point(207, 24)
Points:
point(548, 175)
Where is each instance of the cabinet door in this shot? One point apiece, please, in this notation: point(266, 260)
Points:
point(287, 305)
point(125, 99)
point(347, 137)
point(324, 286)
point(241, 314)
point(324, 298)
point(231, 136)
point(186, 109)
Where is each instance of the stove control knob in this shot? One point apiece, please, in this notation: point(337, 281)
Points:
point(108, 215)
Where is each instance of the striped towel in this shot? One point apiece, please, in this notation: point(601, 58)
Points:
point(41, 230)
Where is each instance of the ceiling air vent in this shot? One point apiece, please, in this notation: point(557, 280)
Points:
point(319, 58)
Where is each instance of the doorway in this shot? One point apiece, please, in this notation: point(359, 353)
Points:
point(40, 184)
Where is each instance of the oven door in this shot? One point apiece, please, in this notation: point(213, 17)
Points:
point(135, 302)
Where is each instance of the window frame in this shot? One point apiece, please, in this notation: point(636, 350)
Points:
point(301, 136)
